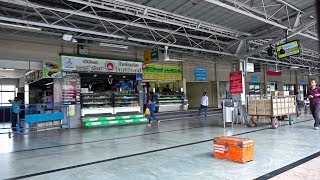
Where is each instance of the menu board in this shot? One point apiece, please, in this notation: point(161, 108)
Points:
point(236, 83)
point(71, 88)
point(162, 72)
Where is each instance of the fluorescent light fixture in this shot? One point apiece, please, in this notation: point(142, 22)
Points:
point(74, 40)
point(294, 67)
point(15, 26)
point(67, 37)
point(113, 45)
point(6, 69)
point(49, 83)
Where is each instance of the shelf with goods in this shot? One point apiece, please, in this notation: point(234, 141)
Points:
point(173, 101)
point(108, 103)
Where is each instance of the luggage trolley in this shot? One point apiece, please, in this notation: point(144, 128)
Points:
point(275, 108)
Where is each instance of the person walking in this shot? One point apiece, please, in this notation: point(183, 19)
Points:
point(152, 108)
point(314, 97)
point(15, 110)
point(204, 104)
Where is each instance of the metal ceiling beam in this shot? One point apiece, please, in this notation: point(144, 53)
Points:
point(39, 24)
point(216, 2)
point(157, 15)
point(133, 24)
point(259, 18)
point(277, 40)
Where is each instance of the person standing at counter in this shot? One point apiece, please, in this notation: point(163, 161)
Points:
point(50, 103)
point(152, 108)
point(15, 110)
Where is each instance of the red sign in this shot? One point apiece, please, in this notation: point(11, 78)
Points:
point(236, 83)
point(274, 73)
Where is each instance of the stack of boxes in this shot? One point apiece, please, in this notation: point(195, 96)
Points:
point(283, 104)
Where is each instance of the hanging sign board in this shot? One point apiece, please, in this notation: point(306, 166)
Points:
point(200, 74)
point(254, 79)
point(274, 73)
point(154, 54)
point(162, 72)
point(52, 69)
point(250, 67)
point(84, 64)
point(236, 83)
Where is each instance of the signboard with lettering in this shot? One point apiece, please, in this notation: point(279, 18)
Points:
point(200, 74)
point(254, 79)
point(83, 64)
point(236, 83)
point(33, 76)
point(162, 72)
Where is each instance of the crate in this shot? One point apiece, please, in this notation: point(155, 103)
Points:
point(234, 148)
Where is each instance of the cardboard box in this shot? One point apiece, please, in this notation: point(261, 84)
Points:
point(233, 148)
point(261, 112)
point(268, 112)
point(252, 111)
point(274, 93)
point(284, 93)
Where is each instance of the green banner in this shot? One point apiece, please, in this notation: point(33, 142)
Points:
point(162, 72)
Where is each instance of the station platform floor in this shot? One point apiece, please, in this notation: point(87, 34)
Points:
point(181, 149)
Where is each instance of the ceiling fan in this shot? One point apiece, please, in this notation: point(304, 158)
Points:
point(166, 55)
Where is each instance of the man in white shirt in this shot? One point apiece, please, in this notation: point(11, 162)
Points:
point(204, 104)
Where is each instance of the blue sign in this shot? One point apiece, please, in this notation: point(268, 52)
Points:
point(139, 77)
point(254, 79)
point(200, 74)
point(303, 82)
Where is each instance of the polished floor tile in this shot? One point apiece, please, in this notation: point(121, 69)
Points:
point(174, 150)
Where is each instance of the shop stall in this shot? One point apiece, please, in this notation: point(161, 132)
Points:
point(166, 82)
point(103, 87)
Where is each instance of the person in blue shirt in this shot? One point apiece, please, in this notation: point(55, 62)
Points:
point(15, 110)
point(152, 107)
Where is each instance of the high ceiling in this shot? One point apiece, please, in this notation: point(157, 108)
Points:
point(234, 29)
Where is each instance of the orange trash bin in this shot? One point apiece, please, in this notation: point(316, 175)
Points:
point(234, 148)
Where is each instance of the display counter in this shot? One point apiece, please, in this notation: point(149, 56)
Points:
point(108, 103)
point(172, 102)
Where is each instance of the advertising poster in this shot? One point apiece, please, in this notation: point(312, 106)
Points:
point(236, 83)
point(52, 69)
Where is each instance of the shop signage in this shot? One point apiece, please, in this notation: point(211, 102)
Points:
point(52, 69)
point(83, 64)
point(250, 67)
point(71, 88)
point(154, 54)
point(33, 76)
point(200, 74)
point(139, 77)
point(236, 83)
point(274, 73)
point(147, 56)
point(254, 79)
point(162, 72)
point(303, 82)
point(257, 67)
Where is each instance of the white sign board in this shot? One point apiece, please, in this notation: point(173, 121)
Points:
point(83, 64)
point(250, 67)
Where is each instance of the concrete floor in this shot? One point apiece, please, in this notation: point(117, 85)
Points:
point(174, 150)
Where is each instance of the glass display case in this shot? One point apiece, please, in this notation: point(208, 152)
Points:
point(172, 102)
point(108, 103)
point(126, 100)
